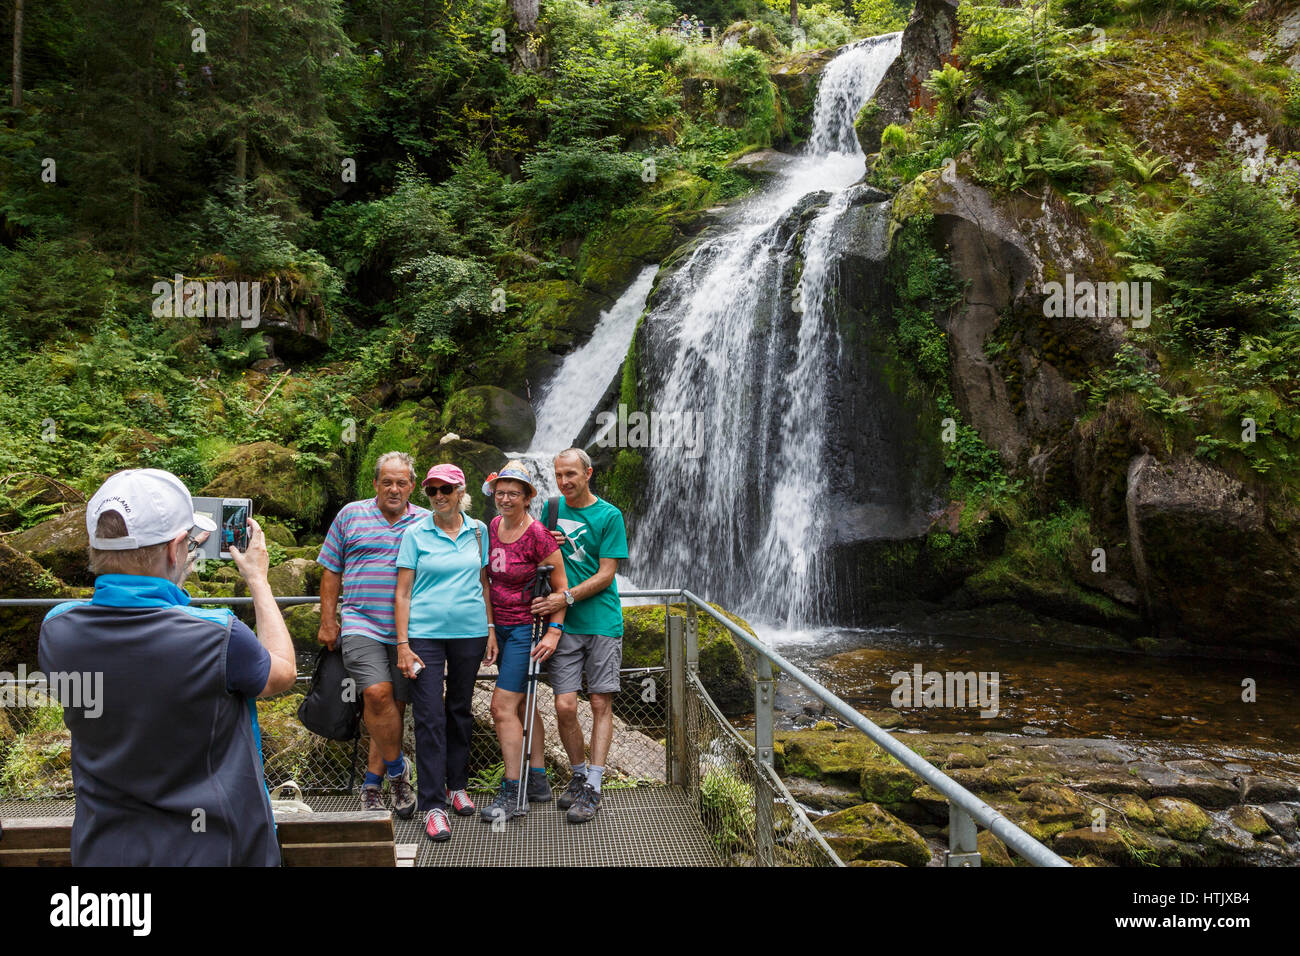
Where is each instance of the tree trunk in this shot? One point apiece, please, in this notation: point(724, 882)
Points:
point(525, 12)
point(794, 13)
point(18, 53)
point(241, 143)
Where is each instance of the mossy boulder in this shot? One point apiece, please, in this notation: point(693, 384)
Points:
point(303, 621)
point(58, 544)
point(993, 852)
point(491, 415)
point(869, 832)
point(414, 430)
point(1181, 819)
point(1134, 809)
point(1250, 820)
point(276, 533)
point(20, 628)
point(848, 758)
point(279, 486)
point(292, 752)
point(885, 780)
point(1049, 804)
point(722, 665)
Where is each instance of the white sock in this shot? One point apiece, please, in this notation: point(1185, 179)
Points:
point(594, 774)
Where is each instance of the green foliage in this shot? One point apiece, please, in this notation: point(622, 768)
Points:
point(53, 289)
point(1227, 254)
point(727, 807)
point(1025, 46)
point(922, 280)
point(572, 187)
point(882, 16)
point(950, 87)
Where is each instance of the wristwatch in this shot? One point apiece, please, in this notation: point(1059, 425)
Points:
point(568, 598)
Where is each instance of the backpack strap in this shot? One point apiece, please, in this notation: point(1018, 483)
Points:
point(552, 513)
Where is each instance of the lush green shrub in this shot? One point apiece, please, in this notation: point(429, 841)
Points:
point(882, 16)
point(52, 287)
point(1227, 253)
point(572, 187)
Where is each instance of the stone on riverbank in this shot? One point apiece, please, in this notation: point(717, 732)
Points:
point(868, 832)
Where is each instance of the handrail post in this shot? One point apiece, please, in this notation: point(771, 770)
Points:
point(963, 836)
point(764, 700)
point(692, 638)
point(676, 749)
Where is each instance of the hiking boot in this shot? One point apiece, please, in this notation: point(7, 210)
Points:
point(436, 827)
point(585, 807)
point(372, 798)
point(506, 804)
point(539, 788)
point(571, 792)
point(460, 803)
point(403, 793)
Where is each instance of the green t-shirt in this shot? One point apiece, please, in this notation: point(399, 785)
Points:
point(593, 532)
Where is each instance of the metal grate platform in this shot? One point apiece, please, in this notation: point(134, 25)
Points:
point(645, 826)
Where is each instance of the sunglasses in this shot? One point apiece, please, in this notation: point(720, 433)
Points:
point(432, 490)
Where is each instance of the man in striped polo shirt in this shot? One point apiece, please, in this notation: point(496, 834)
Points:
point(360, 554)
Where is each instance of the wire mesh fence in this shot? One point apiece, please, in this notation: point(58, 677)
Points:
point(746, 810)
point(35, 746)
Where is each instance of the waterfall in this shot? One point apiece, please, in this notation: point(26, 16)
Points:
point(740, 344)
point(570, 398)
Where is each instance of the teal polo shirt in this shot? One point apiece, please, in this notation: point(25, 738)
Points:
point(447, 596)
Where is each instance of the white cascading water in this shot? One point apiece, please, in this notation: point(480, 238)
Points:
point(570, 398)
point(741, 518)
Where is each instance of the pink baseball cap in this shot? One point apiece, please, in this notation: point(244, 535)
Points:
point(446, 472)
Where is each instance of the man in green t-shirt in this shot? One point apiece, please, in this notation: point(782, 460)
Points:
point(592, 539)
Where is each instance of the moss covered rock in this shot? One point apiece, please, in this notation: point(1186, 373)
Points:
point(868, 832)
point(303, 621)
point(271, 475)
point(22, 577)
point(276, 533)
point(722, 666)
point(58, 544)
point(491, 415)
point(1181, 819)
point(993, 852)
point(413, 429)
point(292, 752)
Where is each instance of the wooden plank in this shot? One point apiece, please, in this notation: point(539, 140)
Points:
point(406, 854)
point(350, 827)
point(41, 857)
point(339, 854)
point(36, 833)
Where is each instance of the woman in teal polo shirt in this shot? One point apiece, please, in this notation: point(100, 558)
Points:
point(443, 618)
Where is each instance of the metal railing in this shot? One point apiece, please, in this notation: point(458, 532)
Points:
point(742, 802)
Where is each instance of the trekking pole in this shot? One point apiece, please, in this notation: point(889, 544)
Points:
point(541, 588)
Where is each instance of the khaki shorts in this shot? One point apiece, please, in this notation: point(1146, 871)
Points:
point(600, 657)
point(371, 662)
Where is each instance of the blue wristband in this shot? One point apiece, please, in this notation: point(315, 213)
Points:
point(553, 624)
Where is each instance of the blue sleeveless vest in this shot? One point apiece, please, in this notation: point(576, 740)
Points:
point(170, 771)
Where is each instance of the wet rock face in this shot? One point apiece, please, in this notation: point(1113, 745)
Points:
point(1190, 525)
point(1095, 802)
point(491, 415)
point(928, 39)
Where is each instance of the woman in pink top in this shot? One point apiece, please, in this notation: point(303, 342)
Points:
point(517, 545)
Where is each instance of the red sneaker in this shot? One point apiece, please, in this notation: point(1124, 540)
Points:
point(436, 827)
point(460, 803)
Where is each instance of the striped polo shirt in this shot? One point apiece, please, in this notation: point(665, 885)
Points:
point(362, 546)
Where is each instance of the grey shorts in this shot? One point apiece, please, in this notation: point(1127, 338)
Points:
point(370, 662)
point(599, 656)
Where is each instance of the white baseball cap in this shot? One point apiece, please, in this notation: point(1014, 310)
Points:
point(155, 504)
